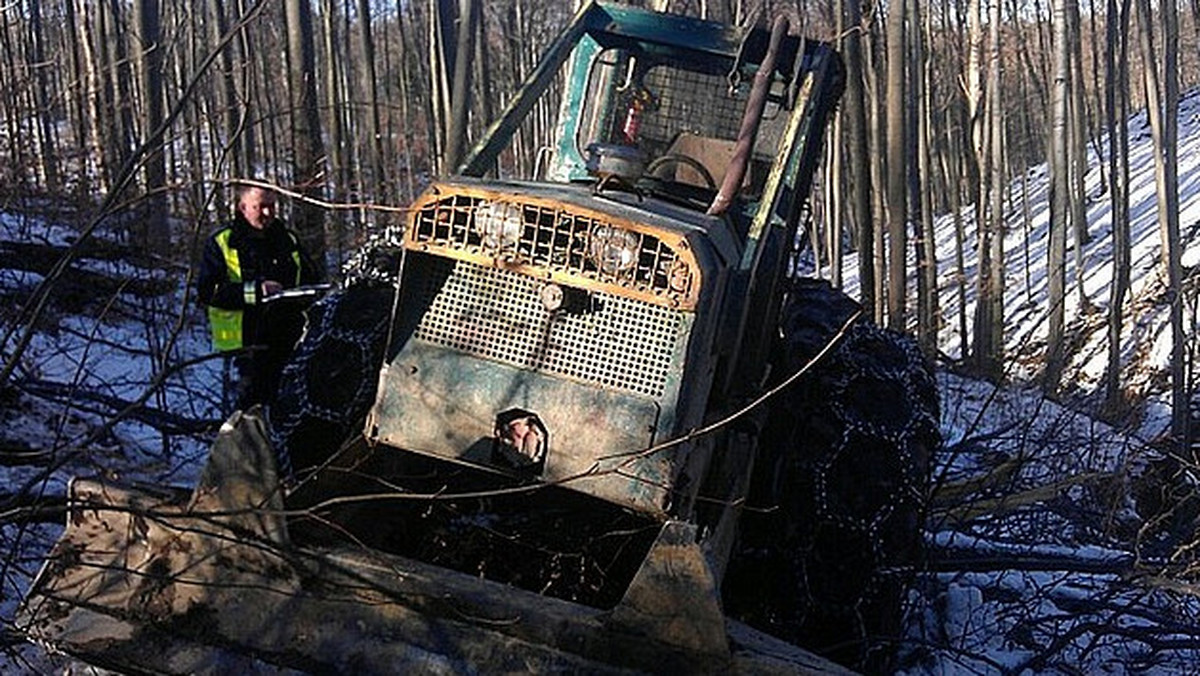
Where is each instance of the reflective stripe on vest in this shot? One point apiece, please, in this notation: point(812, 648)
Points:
point(226, 325)
point(295, 256)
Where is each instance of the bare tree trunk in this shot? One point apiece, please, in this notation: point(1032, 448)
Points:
point(441, 66)
point(379, 178)
point(1163, 107)
point(1060, 198)
point(484, 83)
point(157, 233)
point(231, 119)
point(1116, 109)
point(264, 94)
point(335, 99)
point(998, 189)
point(1026, 214)
point(975, 104)
point(1078, 149)
point(124, 96)
point(990, 283)
point(922, 181)
point(203, 126)
point(460, 99)
point(1093, 125)
point(1036, 72)
point(897, 168)
point(878, 130)
point(832, 178)
point(9, 102)
point(78, 97)
point(251, 134)
point(308, 148)
point(981, 349)
point(405, 97)
point(854, 113)
point(1195, 7)
point(1173, 248)
point(952, 160)
point(95, 95)
point(47, 145)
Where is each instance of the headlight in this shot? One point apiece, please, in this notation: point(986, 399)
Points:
point(614, 250)
point(500, 224)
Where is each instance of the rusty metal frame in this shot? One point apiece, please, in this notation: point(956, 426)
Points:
point(665, 247)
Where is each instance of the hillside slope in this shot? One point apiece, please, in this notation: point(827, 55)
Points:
point(1146, 333)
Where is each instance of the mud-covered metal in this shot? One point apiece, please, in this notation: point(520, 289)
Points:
point(426, 405)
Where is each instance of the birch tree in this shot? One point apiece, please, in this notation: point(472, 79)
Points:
point(1060, 198)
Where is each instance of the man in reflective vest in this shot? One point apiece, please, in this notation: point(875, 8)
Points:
point(250, 259)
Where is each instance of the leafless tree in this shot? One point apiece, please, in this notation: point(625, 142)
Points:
point(1116, 108)
point(897, 167)
point(308, 145)
point(1060, 198)
point(150, 59)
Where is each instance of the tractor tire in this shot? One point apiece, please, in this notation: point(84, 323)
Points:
point(329, 384)
point(842, 485)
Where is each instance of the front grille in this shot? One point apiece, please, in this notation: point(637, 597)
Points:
point(550, 238)
point(615, 342)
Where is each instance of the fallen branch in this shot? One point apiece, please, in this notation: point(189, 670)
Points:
point(164, 421)
point(27, 508)
point(964, 560)
point(1006, 504)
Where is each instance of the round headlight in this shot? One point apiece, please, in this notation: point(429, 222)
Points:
point(614, 250)
point(499, 224)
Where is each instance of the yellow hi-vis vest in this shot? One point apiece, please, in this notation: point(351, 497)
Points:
point(226, 325)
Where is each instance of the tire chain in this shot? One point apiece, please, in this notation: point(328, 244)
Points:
point(329, 383)
point(854, 439)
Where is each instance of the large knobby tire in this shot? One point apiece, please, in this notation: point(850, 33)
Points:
point(842, 482)
point(329, 384)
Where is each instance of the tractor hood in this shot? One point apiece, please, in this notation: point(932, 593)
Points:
point(546, 330)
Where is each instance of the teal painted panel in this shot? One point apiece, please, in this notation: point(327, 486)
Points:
point(441, 402)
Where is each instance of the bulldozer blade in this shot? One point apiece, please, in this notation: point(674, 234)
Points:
point(171, 582)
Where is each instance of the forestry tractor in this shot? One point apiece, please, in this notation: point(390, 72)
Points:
point(587, 420)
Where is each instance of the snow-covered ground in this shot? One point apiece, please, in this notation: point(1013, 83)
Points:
point(1032, 567)
point(1031, 537)
point(1052, 546)
point(1146, 333)
point(112, 345)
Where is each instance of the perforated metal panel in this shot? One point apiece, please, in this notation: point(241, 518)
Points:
point(613, 341)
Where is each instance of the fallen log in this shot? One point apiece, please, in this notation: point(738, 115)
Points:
point(164, 421)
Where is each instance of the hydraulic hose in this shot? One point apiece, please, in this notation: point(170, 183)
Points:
point(750, 121)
